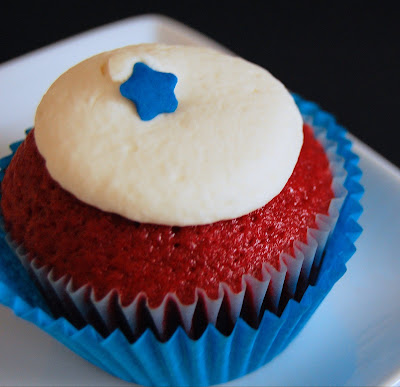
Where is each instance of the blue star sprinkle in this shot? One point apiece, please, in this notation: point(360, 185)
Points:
point(151, 91)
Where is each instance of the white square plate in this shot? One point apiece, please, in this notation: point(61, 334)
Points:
point(352, 339)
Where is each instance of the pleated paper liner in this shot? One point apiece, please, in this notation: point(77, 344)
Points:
point(213, 357)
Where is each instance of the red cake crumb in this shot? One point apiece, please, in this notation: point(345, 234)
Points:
point(111, 252)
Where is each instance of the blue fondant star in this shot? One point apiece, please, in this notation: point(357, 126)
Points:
point(151, 91)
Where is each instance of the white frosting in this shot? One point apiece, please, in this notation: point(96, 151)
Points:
point(228, 149)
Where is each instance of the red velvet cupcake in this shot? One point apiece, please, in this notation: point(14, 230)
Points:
point(208, 209)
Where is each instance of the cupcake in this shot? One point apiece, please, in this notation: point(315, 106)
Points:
point(178, 213)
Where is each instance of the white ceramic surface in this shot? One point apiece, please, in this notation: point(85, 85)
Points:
point(353, 339)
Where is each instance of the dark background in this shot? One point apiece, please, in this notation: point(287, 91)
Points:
point(345, 56)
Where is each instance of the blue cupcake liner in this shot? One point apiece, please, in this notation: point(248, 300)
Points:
point(213, 358)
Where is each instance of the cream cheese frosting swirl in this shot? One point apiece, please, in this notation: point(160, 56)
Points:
point(228, 149)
